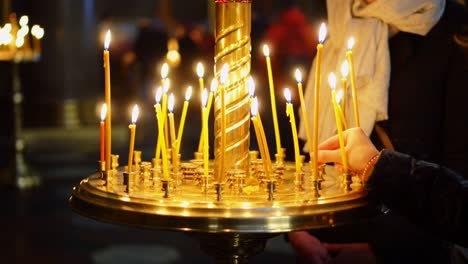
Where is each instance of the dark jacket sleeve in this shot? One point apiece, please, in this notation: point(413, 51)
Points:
point(427, 194)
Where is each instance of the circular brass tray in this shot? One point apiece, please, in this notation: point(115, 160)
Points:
point(190, 209)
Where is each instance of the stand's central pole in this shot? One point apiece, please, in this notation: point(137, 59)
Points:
point(232, 47)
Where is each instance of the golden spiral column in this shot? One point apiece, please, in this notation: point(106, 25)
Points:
point(232, 47)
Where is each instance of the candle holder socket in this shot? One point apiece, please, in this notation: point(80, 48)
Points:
point(271, 187)
point(219, 191)
point(165, 188)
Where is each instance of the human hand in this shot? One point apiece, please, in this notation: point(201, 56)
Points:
point(308, 248)
point(359, 149)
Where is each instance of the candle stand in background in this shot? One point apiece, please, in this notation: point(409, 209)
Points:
point(20, 45)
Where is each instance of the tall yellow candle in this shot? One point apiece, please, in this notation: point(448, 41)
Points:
point(349, 56)
point(344, 86)
point(158, 97)
point(205, 133)
point(161, 140)
point(132, 128)
point(170, 115)
point(292, 120)
point(262, 134)
point(166, 86)
point(318, 59)
point(266, 52)
point(258, 134)
point(332, 83)
point(339, 98)
point(201, 82)
point(180, 131)
point(214, 86)
point(298, 76)
point(107, 96)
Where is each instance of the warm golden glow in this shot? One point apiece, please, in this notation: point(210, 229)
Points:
point(167, 84)
point(22, 32)
point(345, 69)
point(24, 20)
point(107, 40)
point(158, 95)
point(287, 95)
point(254, 106)
point(223, 78)
point(204, 98)
point(135, 113)
point(200, 70)
point(164, 70)
point(266, 50)
point(103, 111)
point(350, 43)
point(170, 103)
point(37, 31)
point(332, 80)
point(188, 93)
point(322, 32)
point(251, 86)
point(298, 75)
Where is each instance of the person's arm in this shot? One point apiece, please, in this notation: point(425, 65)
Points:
point(429, 195)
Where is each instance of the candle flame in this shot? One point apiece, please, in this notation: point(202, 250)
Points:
point(254, 106)
point(7, 27)
point(287, 95)
point(339, 96)
point(135, 113)
point(19, 42)
point(266, 50)
point(167, 84)
point(103, 111)
point(188, 93)
point(164, 70)
point(322, 32)
point(37, 31)
point(344, 69)
point(158, 95)
point(214, 85)
point(350, 43)
point(170, 103)
point(204, 97)
point(24, 20)
point(332, 80)
point(200, 70)
point(107, 40)
point(251, 86)
point(298, 75)
point(224, 74)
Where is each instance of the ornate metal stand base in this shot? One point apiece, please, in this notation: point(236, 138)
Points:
point(230, 229)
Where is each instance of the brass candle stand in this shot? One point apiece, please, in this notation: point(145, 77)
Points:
point(235, 206)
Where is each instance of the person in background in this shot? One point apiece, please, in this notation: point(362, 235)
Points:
point(431, 196)
point(410, 75)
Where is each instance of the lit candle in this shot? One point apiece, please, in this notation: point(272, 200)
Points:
point(101, 132)
point(132, 128)
point(298, 76)
point(205, 133)
point(263, 147)
point(107, 95)
point(170, 115)
point(339, 98)
point(161, 140)
point(166, 86)
point(201, 83)
point(157, 106)
point(223, 78)
point(344, 77)
point(37, 33)
point(292, 120)
point(349, 55)
point(266, 52)
point(332, 83)
point(322, 35)
point(214, 86)
point(188, 94)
